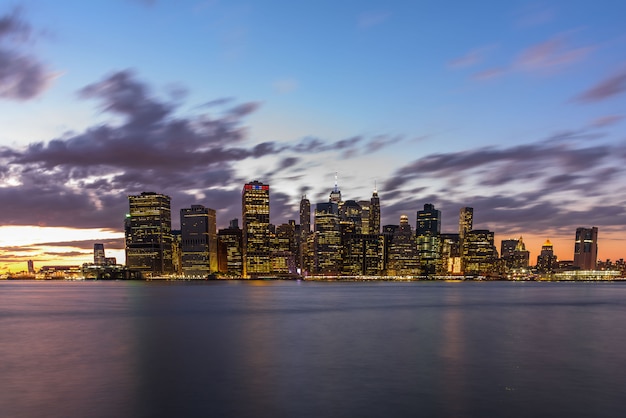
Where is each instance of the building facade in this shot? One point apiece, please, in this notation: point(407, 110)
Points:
point(148, 234)
point(255, 206)
point(198, 241)
point(586, 248)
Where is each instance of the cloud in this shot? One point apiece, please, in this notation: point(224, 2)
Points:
point(608, 120)
point(471, 58)
point(381, 141)
point(117, 244)
point(551, 54)
point(22, 76)
point(531, 188)
point(489, 74)
point(605, 89)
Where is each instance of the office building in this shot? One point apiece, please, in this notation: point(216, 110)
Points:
point(230, 250)
point(374, 214)
point(427, 230)
point(148, 234)
point(450, 255)
point(335, 194)
point(198, 241)
point(327, 246)
point(513, 254)
point(305, 216)
point(479, 252)
point(255, 204)
point(546, 260)
point(99, 258)
point(466, 221)
point(402, 256)
point(586, 248)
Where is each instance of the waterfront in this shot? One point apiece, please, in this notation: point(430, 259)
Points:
point(294, 348)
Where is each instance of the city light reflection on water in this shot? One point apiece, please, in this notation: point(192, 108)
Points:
point(249, 349)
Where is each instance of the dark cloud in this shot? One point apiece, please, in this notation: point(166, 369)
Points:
point(113, 244)
point(65, 253)
point(381, 141)
point(22, 76)
point(607, 88)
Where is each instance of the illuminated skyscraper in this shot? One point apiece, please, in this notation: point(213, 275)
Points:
point(149, 238)
point(335, 194)
point(513, 254)
point(99, 258)
point(586, 248)
point(198, 241)
point(305, 216)
point(427, 234)
point(374, 213)
point(255, 213)
point(466, 221)
point(450, 254)
point(351, 212)
point(403, 259)
point(479, 252)
point(546, 260)
point(230, 250)
point(327, 245)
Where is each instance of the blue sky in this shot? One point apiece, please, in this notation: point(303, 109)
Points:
point(516, 108)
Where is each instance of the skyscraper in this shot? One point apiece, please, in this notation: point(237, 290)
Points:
point(403, 259)
point(198, 241)
point(427, 232)
point(230, 250)
point(586, 248)
point(466, 221)
point(335, 194)
point(99, 258)
point(327, 244)
point(374, 213)
point(546, 260)
point(255, 213)
point(305, 216)
point(514, 255)
point(479, 252)
point(149, 239)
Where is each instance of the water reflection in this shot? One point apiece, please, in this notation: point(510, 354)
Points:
point(311, 349)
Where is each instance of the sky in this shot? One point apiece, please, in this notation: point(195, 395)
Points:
point(517, 109)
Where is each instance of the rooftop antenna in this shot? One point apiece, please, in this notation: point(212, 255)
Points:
point(336, 187)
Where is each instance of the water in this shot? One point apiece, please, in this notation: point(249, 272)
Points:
point(304, 349)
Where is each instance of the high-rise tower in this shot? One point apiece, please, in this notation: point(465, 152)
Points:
point(99, 258)
point(374, 215)
point(198, 241)
point(427, 232)
point(466, 221)
point(149, 234)
point(335, 195)
point(586, 248)
point(255, 213)
point(546, 260)
point(305, 216)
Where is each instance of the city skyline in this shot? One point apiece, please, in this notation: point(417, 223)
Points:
point(515, 110)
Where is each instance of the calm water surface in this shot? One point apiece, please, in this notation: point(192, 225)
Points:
point(303, 349)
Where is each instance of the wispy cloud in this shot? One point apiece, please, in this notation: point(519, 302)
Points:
point(471, 58)
point(552, 54)
point(605, 89)
point(22, 75)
